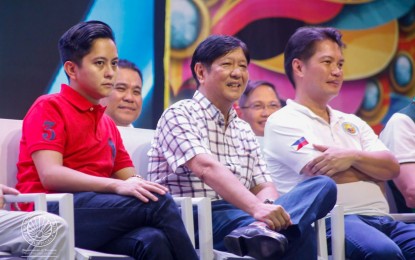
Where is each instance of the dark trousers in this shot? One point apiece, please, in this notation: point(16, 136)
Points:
point(308, 201)
point(377, 237)
point(118, 224)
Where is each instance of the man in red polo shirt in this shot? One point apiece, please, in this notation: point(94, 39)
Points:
point(69, 145)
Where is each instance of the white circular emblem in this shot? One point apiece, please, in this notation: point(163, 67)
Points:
point(349, 128)
point(39, 230)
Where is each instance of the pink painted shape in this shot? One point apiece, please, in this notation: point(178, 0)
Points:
point(245, 12)
point(350, 97)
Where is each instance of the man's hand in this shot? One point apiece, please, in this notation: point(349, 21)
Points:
point(274, 216)
point(6, 190)
point(331, 161)
point(141, 189)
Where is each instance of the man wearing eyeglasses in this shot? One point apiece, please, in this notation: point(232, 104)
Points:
point(259, 100)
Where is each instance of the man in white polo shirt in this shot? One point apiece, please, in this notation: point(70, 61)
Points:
point(398, 135)
point(308, 138)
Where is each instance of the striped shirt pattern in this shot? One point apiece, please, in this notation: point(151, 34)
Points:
point(195, 126)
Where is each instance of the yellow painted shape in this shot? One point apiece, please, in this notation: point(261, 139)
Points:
point(367, 53)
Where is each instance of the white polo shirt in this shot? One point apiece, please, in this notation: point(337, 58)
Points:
point(288, 146)
point(399, 136)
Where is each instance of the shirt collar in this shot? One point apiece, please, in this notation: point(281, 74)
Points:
point(78, 101)
point(335, 116)
point(212, 110)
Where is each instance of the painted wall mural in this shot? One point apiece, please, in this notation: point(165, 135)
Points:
point(380, 38)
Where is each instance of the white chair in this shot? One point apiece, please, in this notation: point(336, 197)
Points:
point(337, 235)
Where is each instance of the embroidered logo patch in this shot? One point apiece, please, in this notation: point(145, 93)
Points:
point(48, 131)
point(349, 128)
point(300, 143)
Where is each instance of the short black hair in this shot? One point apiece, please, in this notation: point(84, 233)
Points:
point(213, 47)
point(126, 64)
point(76, 42)
point(301, 45)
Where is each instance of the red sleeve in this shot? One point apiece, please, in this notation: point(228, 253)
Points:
point(43, 127)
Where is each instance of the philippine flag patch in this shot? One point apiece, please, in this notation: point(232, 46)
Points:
point(300, 143)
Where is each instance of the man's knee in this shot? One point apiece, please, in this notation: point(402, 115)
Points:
point(62, 227)
point(59, 230)
point(329, 186)
point(167, 202)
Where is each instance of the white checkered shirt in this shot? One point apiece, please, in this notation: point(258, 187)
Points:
point(195, 126)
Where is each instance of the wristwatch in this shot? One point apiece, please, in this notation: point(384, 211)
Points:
point(268, 201)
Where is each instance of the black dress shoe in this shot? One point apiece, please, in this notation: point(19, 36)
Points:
point(258, 242)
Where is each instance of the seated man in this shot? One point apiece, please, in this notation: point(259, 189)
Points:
point(69, 145)
point(398, 136)
point(308, 138)
point(31, 235)
point(202, 149)
point(125, 101)
point(259, 100)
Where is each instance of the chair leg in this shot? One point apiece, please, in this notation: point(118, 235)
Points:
point(337, 230)
point(186, 210)
point(320, 226)
point(204, 209)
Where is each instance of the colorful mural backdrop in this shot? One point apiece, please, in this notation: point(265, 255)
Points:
point(379, 69)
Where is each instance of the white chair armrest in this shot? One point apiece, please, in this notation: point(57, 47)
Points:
point(65, 201)
point(337, 235)
point(320, 226)
point(84, 254)
point(204, 214)
point(186, 209)
point(404, 217)
point(39, 199)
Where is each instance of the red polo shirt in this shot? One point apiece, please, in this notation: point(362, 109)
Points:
point(68, 123)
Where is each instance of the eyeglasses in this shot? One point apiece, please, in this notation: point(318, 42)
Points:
point(261, 106)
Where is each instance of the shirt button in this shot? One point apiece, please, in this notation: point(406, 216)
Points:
point(91, 109)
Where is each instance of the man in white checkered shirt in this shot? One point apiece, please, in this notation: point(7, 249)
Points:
point(202, 149)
